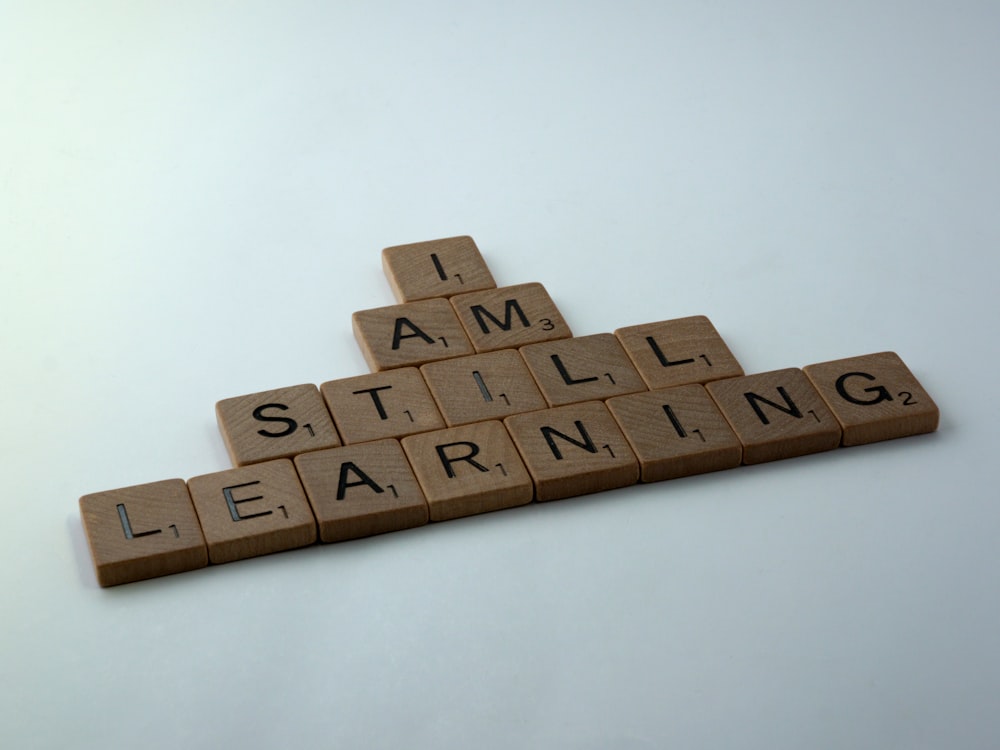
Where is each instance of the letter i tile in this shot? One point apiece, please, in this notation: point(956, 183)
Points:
point(143, 531)
point(438, 268)
point(253, 510)
point(676, 432)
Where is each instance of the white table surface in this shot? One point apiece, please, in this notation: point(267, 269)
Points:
point(193, 198)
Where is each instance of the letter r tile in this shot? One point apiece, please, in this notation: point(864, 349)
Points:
point(143, 531)
point(275, 424)
point(467, 470)
point(776, 415)
point(874, 397)
point(252, 510)
point(679, 352)
point(510, 317)
point(410, 335)
point(438, 268)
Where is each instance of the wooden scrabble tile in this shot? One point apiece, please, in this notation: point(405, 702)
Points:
point(874, 397)
point(586, 368)
point(467, 470)
point(510, 317)
point(142, 532)
point(385, 404)
point(275, 424)
point(438, 268)
point(252, 510)
point(573, 450)
point(676, 432)
point(482, 387)
point(776, 415)
point(410, 335)
point(361, 490)
point(679, 352)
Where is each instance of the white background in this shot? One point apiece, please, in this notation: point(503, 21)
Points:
point(193, 198)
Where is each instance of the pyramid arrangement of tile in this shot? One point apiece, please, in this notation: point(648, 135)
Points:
point(480, 398)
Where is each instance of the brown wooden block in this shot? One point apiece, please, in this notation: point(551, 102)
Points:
point(361, 490)
point(482, 387)
point(676, 432)
point(410, 335)
point(573, 450)
point(467, 470)
point(438, 268)
point(776, 415)
point(874, 397)
point(385, 404)
point(679, 352)
point(252, 510)
point(586, 368)
point(275, 424)
point(141, 532)
point(509, 317)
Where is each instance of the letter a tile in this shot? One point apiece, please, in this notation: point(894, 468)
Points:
point(776, 415)
point(142, 532)
point(253, 510)
point(467, 470)
point(874, 397)
point(410, 335)
point(438, 268)
point(275, 424)
point(361, 490)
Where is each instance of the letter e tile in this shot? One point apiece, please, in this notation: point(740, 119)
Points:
point(438, 268)
point(776, 415)
point(253, 510)
point(275, 424)
point(573, 450)
point(467, 470)
point(142, 532)
point(361, 490)
point(874, 397)
point(676, 432)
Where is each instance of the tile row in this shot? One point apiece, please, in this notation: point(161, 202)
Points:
point(473, 388)
point(389, 484)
